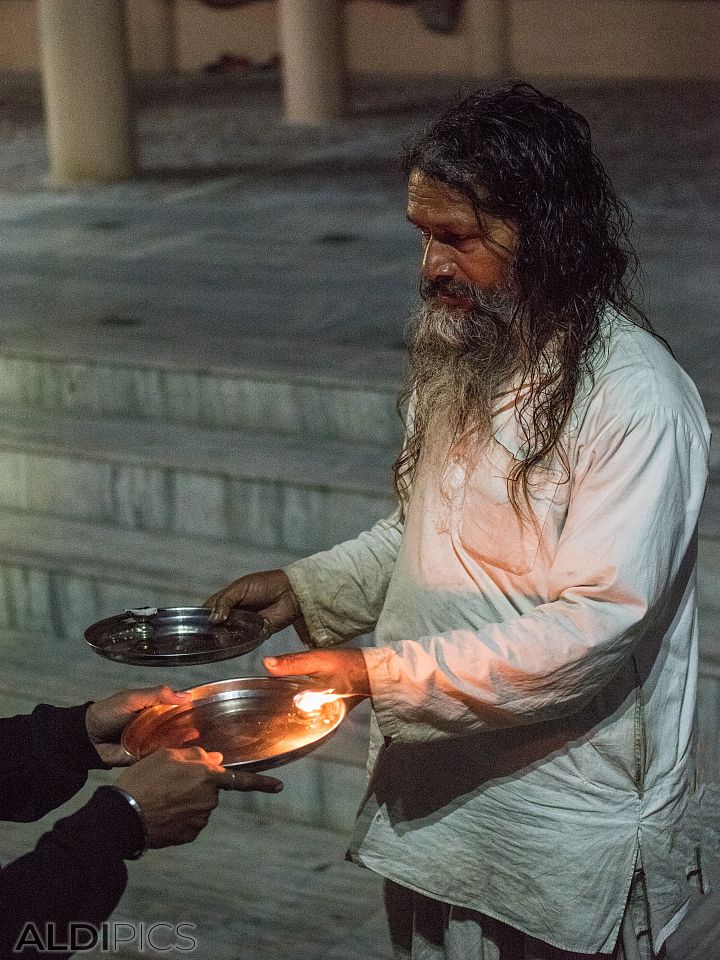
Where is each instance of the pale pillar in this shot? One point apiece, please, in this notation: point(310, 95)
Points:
point(311, 38)
point(151, 35)
point(166, 35)
point(87, 90)
point(488, 27)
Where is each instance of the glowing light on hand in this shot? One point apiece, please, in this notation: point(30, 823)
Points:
point(312, 701)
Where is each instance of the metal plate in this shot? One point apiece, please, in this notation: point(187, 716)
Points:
point(252, 721)
point(176, 636)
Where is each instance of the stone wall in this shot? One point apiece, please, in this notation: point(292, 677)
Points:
point(539, 38)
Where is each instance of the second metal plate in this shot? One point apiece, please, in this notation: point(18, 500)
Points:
point(176, 636)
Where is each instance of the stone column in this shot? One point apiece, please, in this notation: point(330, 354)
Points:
point(488, 27)
point(87, 90)
point(165, 35)
point(311, 39)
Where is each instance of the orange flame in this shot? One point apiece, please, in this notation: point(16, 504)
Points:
point(311, 701)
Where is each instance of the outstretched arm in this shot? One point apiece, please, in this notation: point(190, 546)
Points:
point(329, 597)
point(627, 550)
point(341, 591)
point(76, 873)
point(45, 757)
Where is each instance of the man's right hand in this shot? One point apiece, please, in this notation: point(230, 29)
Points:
point(177, 790)
point(268, 593)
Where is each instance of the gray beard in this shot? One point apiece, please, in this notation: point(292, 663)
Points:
point(460, 360)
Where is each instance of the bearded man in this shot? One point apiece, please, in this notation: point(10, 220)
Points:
point(534, 598)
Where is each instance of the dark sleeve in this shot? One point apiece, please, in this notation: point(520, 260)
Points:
point(75, 874)
point(44, 760)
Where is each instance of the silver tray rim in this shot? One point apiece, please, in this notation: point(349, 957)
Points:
point(219, 690)
point(94, 635)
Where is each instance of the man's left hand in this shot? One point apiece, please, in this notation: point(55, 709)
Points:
point(106, 719)
point(343, 671)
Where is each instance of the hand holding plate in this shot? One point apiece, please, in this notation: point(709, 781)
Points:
point(177, 790)
point(268, 593)
point(106, 719)
point(342, 671)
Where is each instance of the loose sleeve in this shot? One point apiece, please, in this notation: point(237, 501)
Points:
point(342, 591)
point(45, 757)
point(625, 555)
point(75, 874)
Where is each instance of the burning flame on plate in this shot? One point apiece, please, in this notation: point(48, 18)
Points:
point(312, 701)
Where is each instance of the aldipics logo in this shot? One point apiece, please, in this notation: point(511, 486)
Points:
point(76, 937)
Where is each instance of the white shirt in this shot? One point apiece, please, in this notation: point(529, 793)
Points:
point(534, 684)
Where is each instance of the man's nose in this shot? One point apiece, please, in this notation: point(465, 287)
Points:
point(438, 260)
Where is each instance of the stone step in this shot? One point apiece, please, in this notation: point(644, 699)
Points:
point(710, 513)
point(709, 594)
point(60, 575)
point(63, 574)
point(314, 391)
point(308, 390)
point(288, 388)
point(53, 567)
point(217, 484)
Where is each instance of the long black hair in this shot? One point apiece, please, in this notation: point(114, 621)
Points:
point(526, 158)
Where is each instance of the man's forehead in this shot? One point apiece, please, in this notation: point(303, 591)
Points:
point(420, 185)
point(430, 197)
